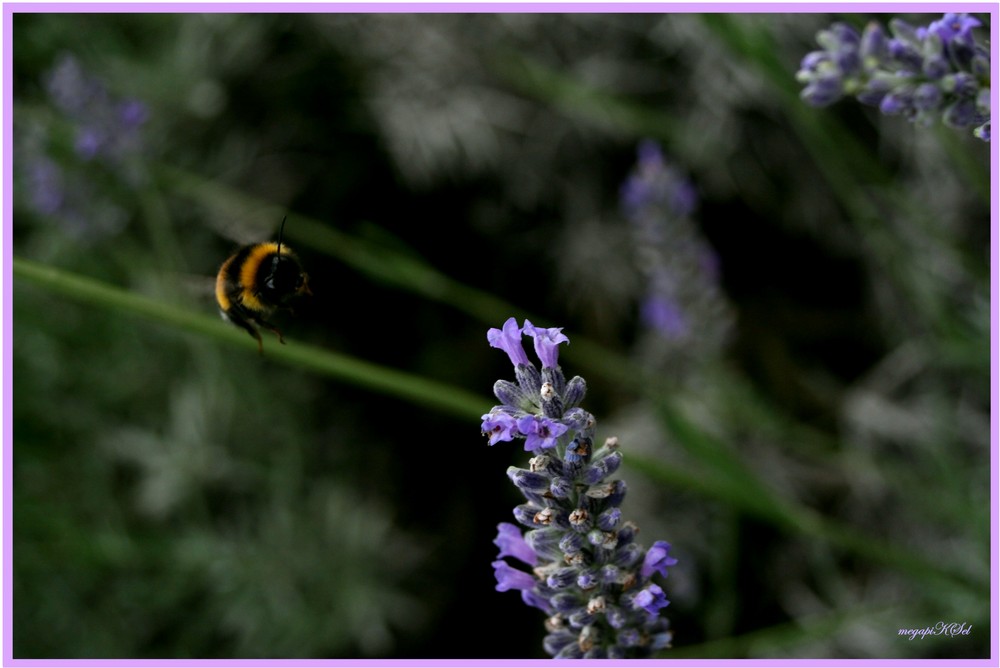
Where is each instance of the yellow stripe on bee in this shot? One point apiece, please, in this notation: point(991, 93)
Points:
point(220, 286)
point(248, 274)
point(251, 265)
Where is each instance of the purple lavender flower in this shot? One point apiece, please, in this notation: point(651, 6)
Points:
point(509, 340)
point(657, 559)
point(104, 130)
point(499, 427)
point(922, 73)
point(540, 433)
point(588, 573)
point(546, 343)
point(828, 71)
point(654, 182)
point(45, 187)
point(950, 27)
point(651, 599)
point(511, 544)
point(511, 578)
point(664, 315)
point(683, 307)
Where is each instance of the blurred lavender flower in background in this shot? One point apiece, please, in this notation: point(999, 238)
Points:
point(588, 573)
point(683, 304)
point(920, 73)
point(105, 128)
point(70, 161)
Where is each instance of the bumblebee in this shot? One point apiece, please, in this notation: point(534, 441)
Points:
point(256, 281)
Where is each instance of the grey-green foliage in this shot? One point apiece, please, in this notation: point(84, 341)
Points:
point(154, 499)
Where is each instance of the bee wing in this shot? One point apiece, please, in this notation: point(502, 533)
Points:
point(197, 286)
point(243, 223)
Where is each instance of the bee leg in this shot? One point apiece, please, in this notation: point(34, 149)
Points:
point(237, 319)
point(272, 328)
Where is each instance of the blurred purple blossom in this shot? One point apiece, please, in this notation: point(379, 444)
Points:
point(922, 73)
point(682, 303)
point(106, 131)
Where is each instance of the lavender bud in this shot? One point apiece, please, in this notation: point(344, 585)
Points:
point(587, 581)
point(927, 96)
point(554, 643)
point(873, 48)
point(579, 519)
point(626, 534)
point(601, 491)
point(874, 91)
point(539, 463)
point(589, 636)
point(511, 395)
point(579, 420)
point(529, 380)
point(552, 405)
point(616, 616)
point(618, 488)
point(525, 514)
point(545, 541)
point(528, 481)
point(571, 543)
point(596, 605)
point(570, 652)
point(554, 377)
point(582, 619)
point(983, 102)
point(609, 519)
point(962, 84)
point(562, 578)
point(897, 101)
point(566, 603)
point(606, 540)
point(628, 556)
point(935, 64)
point(601, 469)
point(628, 638)
point(576, 389)
point(561, 488)
point(555, 623)
point(824, 91)
point(960, 114)
point(548, 516)
point(661, 641)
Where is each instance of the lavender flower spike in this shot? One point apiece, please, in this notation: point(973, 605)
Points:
point(935, 72)
point(588, 574)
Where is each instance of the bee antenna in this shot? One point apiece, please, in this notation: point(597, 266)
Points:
point(281, 231)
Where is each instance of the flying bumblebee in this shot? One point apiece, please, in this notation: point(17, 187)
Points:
point(256, 281)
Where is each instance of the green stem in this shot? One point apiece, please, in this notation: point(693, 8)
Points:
point(439, 396)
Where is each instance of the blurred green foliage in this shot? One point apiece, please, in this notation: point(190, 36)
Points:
point(823, 478)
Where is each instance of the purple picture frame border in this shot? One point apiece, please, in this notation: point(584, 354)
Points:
point(9, 9)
